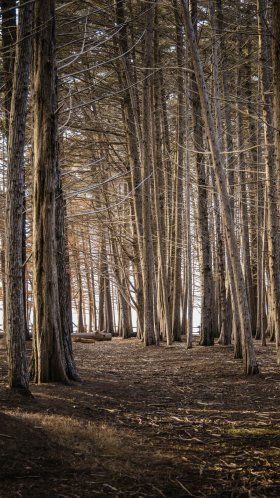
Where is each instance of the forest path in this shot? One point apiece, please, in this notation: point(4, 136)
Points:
point(145, 422)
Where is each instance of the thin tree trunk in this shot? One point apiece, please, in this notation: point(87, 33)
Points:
point(9, 35)
point(271, 174)
point(64, 286)
point(245, 242)
point(132, 124)
point(276, 118)
point(178, 190)
point(255, 194)
point(206, 286)
point(224, 337)
point(89, 286)
point(94, 320)
point(160, 228)
point(232, 321)
point(80, 324)
point(148, 249)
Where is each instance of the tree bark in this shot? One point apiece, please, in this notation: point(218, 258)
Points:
point(271, 174)
point(276, 116)
point(18, 375)
point(9, 35)
point(48, 361)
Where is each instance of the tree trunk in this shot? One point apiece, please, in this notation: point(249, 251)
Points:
point(232, 322)
point(271, 175)
point(9, 35)
point(148, 249)
point(206, 287)
point(178, 182)
point(48, 361)
point(132, 124)
point(276, 118)
point(159, 219)
point(64, 285)
point(18, 376)
point(224, 337)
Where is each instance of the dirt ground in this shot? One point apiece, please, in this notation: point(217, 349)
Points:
point(145, 422)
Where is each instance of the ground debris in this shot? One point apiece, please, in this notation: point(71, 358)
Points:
point(145, 422)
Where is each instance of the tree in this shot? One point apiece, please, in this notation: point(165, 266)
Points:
point(270, 167)
point(206, 329)
point(49, 360)
point(276, 114)
point(147, 158)
point(9, 34)
point(167, 174)
point(18, 376)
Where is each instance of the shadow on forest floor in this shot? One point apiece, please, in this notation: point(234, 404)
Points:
point(145, 422)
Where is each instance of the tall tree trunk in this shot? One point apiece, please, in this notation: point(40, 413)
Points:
point(132, 124)
point(276, 114)
point(224, 337)
point(232, 322)
point(18, 376)
point(48, 359)
point(240, 131)
point(271, 174)
point(206, 287)
point(256, 194)
point(148, 249)
point(178, 181)
point(159, 218)
point(9, 35)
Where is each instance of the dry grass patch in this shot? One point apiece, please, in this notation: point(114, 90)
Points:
point(87, 442)
point(71, 431)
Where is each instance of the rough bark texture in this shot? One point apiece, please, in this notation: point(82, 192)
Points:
point(62, 262)
point(48, 361)
point(18, 376)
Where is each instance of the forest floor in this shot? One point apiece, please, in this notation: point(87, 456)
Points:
point(145, 422)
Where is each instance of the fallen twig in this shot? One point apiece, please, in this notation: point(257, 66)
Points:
point(8, 437)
